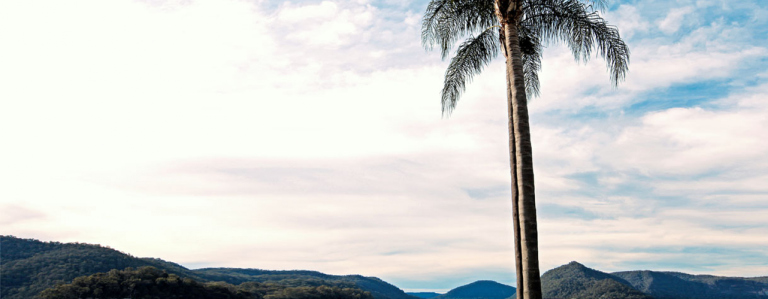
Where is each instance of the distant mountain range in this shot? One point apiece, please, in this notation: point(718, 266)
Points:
point(574, 280)
point(29, 266)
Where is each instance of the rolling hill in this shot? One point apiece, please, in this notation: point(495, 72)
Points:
point(29, 266)
point(482, 289)
point(574, 280)
point(675, 285)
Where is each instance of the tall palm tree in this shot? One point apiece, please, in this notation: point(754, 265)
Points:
point(519, 29)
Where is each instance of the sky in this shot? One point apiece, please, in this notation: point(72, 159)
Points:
point(309, 135)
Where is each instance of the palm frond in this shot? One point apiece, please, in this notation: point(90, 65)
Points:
point(471, 57)
point(582, 29)
point(531, 48)
point(446, 21)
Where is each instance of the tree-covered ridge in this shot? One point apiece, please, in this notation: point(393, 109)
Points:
point(30, 266)
point(482, 289)
point(574, 281)
point(675, 285)
point(378, 288)
point(151, 283)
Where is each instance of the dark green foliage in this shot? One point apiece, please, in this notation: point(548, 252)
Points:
point(319, 292)
point(143, 283)
point(483, 289)
point(574, 281)
point(674, 285)
point(298, 278)
point(30, 266)
point(151, 283)
point(12, 248)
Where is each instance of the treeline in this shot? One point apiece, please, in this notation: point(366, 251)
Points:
point(574, 280)
point(152, 283)
point(30, 267)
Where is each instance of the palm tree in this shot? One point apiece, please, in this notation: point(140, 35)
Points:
point(519, 29)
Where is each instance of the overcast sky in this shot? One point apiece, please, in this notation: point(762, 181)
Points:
point(308, 135)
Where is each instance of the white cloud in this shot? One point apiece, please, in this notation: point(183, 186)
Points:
point(629, 21)
point(674, 19)
point(691, 140)
point(326, 24)
point(709, 52)
point(245, 138)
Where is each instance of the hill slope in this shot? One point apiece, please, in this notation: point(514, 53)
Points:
point(675, 285)
point(574, 280)
point(30, 266)
point(483, 289)
point(379, 289)
point(152, 283)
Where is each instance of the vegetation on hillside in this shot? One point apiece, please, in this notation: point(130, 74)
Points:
point(151, 283)
point(675, 285)
point(574, 281)
point(30, 266)
point(484, 289)
point(378, 288)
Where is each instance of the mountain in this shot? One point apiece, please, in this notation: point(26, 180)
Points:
point(152, 283)
point(675, 285)
point(574, 280)
point(379, 289)
point(424, 295)
point(482, 289)
point(29, 266)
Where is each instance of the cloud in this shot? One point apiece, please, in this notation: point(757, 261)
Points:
point(674, 19)
point(12, 214)
point(231, 133)
point(714, 51)
point(629, 21)
point(326, 24)
point(691, 141)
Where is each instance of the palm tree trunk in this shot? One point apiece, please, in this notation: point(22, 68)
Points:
point(522, 172)
point(512, 164)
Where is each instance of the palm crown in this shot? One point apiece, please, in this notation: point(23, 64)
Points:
point(576, 23)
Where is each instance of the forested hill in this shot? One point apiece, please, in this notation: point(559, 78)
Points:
point(574, 280)
point(29, 266)
point(152, 283)
point(379, 289)
point(483, 289)
point(675, 285)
